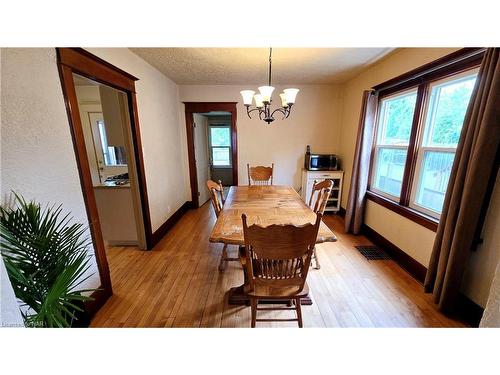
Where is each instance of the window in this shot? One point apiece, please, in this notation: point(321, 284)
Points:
point(444, 117)
point(418, 126)
point(220, 146)
point(113, 156)
point(393, 137)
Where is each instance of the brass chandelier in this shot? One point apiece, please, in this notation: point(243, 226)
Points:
point(263, 99)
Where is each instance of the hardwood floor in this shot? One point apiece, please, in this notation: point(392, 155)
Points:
point(178, 285)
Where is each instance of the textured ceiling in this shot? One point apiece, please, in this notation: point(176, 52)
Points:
point(224, 66)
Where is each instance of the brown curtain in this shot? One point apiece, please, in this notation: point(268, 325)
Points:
point(476, 161)
point(361, 164)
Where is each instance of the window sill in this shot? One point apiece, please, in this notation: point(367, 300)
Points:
point(407, 212)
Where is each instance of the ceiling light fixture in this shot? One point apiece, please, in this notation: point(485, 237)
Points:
point(263, 99)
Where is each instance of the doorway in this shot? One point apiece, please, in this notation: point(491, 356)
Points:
point(213, 150)
point(108, 149)
point(212, 146)
point(107, 135)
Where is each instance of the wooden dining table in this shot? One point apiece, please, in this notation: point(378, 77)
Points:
point(263, 205)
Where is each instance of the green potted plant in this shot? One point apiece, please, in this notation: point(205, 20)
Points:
point(47, 258)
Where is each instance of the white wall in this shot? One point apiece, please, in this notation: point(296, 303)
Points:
point(315, 120)
point(163, 141)
point(414, 239)
point(37, 154)
point(10, 315)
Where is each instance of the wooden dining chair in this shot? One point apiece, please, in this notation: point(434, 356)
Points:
point(260, 175)
point(319, 198)
point(278, 259)
point(217, 198)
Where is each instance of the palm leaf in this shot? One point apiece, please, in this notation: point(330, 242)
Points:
point(47, 258)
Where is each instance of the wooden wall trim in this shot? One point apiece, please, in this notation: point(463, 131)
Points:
point(83, 62)
point(77, 60)
point(76, 129)
point(410, 265)
point(171, 221)
point(452, 63)
point(99, 298)
point(407, 212)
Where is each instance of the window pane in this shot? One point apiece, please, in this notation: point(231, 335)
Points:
point(396, 118)
point(389, 170)
point(220, 156)
point(220, 136)
point(434, 176)
point(445, 115)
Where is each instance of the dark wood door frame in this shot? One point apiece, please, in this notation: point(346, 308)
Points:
point(79, 61)
point(204, 107)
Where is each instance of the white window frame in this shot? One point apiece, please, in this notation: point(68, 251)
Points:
point(386, 146)
point(227, 166)
point(421, 149)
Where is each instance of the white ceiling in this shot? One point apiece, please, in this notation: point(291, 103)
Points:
point(225, 66)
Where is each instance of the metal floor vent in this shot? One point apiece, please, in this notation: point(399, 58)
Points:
point(373, 252)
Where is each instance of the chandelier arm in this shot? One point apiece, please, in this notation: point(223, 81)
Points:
point(289, 110)
point(249, 111)
point(280, 110)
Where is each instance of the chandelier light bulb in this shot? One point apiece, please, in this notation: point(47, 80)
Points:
point(259, 103)
point(247, 96)
point(266, 92)
point(284, 103)
point(290, 95)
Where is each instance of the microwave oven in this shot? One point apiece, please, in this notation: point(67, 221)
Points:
point(321, 162)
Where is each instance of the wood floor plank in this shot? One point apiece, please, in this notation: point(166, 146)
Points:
point(178, 284)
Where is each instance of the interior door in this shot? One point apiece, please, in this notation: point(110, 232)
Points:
point(201, 156)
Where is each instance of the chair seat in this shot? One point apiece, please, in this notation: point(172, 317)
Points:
point(269, 292)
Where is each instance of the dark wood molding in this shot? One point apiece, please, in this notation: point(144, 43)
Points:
point(411, 155)
point(71, 102)
point(406, 262)
point(203, 107)
point(407, 212)
point(99, 298)
point(83, 62)
point(79, 61)
point(463, 59)
point(141, 170)
point(171, 221)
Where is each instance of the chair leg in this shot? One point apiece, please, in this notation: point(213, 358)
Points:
point(223, 261)
point(299, 311)
point(315, 256)
point(254, 303)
